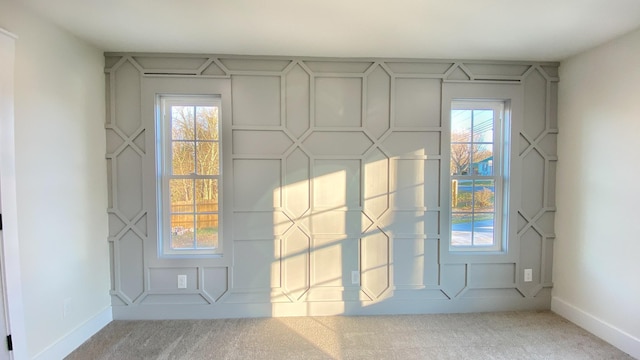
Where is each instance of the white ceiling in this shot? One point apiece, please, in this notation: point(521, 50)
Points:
point(454, 29)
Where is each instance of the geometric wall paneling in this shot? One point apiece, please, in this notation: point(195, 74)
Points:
point(431, 266)
point(404, 223)
point(337, 222)
point(296, 187)
point(349, 143)
point(256, 100)
point(552, 98)
point(551, 191)
point(548, 144)
point(533, 178)
point(164, 279)
point(297, 100)
point(260, 225)
point(338, 102)
point(458, 73)
point(173, 299)
point(114, 141)
point(378, 102)
point(125, 151)
point(494, 71)
point(374, 262)
point(295, 263)
point(492, 275)
point(171, 65)
point(333, 166)
point(256, 264)
point(126, 85)
point(376, 187)
point(492, 293)
point(215, 282)
point(531, 256)
point(128, 180)
point(412, 144)
point(432, 184)
point(115, 225)
point(239, 65)
point(432, 224)
point(409, 68)
point(407, 183)
point(535, 93)
point(251, 194)
point(260, 143)
point(546, 272)
point(336, 184)
point(323, 67)
point(453, 279)
point(410, 271)
point(333, 258)
point(417, 102)
point(212, 68)
point(129, 254)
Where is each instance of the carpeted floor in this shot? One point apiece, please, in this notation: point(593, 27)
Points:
point(507, 335)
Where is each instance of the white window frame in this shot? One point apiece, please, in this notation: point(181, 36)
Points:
point(164, 165)
point(498, 108)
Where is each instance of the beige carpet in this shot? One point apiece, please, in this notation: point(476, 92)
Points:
point(508, 335)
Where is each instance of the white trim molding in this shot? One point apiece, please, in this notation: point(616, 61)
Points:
point(64, 346)
point(600, 328)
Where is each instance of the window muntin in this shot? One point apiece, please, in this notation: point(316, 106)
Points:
point(190, 175)
point(476, 175)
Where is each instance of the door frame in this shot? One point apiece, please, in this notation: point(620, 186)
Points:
point(10, 271)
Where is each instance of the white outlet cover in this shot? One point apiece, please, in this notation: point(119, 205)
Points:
point(355, 277)
point(182, 281)
point(528, 275)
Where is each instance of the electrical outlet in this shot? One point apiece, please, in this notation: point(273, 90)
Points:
point(66, 307)
point(528, 275)
point(355, 277)
point(182, 281)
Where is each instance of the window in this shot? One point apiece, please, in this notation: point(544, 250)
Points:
point(476, 175)
point(190, 181)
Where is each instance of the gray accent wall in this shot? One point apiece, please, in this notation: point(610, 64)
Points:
point(335, 187)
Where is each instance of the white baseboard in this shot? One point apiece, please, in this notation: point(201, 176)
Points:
point(76, 337)
point(607, 332)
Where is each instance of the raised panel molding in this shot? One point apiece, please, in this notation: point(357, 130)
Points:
point(333, 189)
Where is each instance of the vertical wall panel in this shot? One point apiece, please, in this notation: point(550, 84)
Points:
point(297, 100)
point(417, 102)
point(261, 195)
point(256, 100)
point(378, 102)
point(338, 102)
point(127, 96)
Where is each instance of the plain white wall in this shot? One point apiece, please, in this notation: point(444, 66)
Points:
point(61, 177)
point(597, 250)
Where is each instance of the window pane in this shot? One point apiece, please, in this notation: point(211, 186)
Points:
point(208, 158)
point(182, 161)
point(484, 195)
point(182, 123)
point(461, 195)
point(483, 160)
point(461, 126)
point(460, 159)
point(182, 231)
point(207, 230)
point(181, 195)
point(483, 125)
point(483, 229)
point(461, 229)
point(207, 195)
point(207, 123)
